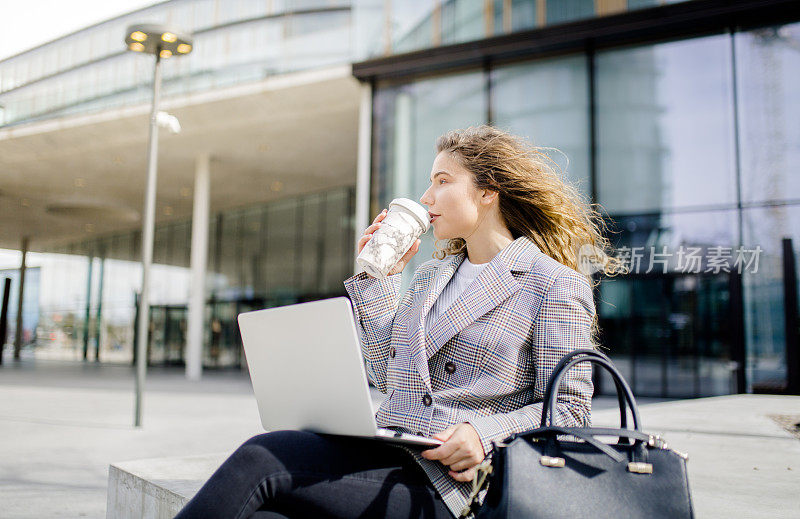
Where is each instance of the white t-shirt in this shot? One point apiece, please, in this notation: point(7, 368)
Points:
point(466, 274)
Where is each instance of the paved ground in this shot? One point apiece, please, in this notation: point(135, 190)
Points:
point(62, 423)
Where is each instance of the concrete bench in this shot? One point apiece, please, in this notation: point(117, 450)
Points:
point(742, 461)
point(157, 488)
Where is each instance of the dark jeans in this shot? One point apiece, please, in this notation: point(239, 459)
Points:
point(299, 474)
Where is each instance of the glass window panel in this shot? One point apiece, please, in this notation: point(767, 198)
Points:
point(669, 323)
point(160, 245)
point(715, 322)
point(560, 11)
point(36, 65)
point(251, 258)
point(653, 232)
point(5, 76)
point(212, 260)
point(664, 126)
point(338, 247)
point(409, 119)
point(50, 60)
point(462, 20)
point(497, 13)
point(640, 4)
point(768, 72)
point(203, 14)
point(411, 25)
point(523, 14)
point(182, 244)
point(764, 293)
point(368, 28)
point(298, 5)
point(231, 253)
point(548, 103)
point(312, 245)
point(282, 227)
point(636, 338)
point(307, 35)
point(136, 245)
point(614, 310)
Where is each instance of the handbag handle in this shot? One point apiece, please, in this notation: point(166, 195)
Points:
point(595, 357)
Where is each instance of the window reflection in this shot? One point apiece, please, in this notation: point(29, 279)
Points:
point(548, 103)
point(524, 14)
point(768, 72)
point(665, 126)
point(410, 118)
point(462, 20)
point(560, 11)
point(765, 302)
point(669, 324)
point(411, 25)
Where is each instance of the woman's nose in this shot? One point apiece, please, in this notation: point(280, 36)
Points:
point(424, 200)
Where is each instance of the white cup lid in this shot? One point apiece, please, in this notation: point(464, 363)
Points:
point(419, 212)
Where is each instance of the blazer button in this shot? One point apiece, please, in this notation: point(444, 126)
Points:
point(392, 351)
point(427, 400)
point(450, 367)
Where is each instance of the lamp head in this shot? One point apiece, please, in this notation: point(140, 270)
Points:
point(156, 39)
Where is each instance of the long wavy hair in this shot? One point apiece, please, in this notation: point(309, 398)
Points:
point(534, 200)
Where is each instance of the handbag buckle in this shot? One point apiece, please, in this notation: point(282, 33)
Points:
point(479, 481)
point(657, 441)
point(553, 462)
point(638, 467)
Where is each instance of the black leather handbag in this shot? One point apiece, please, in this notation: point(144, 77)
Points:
point(559, 472)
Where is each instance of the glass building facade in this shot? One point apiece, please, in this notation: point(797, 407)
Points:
point(386, 27)
point(685, 133)
point(296, 248)
point(686, 143)
point(235, 41)
point(292, 250)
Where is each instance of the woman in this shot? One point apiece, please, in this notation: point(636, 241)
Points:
point(464, 356)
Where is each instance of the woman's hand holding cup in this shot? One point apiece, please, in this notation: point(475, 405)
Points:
point(369, 231)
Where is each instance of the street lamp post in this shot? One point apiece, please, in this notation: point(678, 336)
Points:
point(163, 43)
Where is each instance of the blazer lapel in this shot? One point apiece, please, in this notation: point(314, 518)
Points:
point(494, 285)
point(416, 331)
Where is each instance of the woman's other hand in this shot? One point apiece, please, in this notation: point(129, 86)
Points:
point(461, 451)
point(376, 224)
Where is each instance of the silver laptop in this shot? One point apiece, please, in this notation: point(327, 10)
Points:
point(308, 374)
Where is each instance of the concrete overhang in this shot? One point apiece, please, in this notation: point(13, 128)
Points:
point(78, 177)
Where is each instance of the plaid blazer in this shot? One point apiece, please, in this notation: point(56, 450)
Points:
point(486, 360)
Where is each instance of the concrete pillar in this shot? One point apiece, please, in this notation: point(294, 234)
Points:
point(197, 297)
point(363, 173)
point(18, 336)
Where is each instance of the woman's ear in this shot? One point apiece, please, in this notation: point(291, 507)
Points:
point(488, 196)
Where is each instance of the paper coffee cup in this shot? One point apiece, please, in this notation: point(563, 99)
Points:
point(405, 221)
